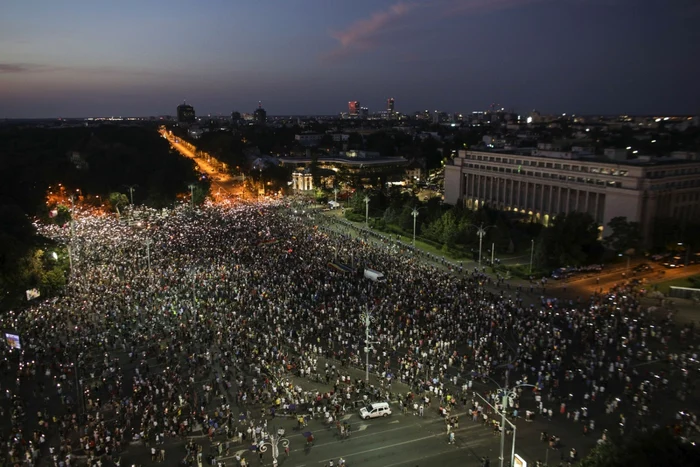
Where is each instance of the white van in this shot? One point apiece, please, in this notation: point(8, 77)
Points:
point(373, 275)
point(374, 410)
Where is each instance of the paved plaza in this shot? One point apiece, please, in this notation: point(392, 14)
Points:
point(192, 336)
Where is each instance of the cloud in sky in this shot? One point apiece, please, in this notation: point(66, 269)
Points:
point(372, 32)
point(15, 68)
point(366, 33)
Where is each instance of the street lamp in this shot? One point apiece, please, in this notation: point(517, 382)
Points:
point(367, 319)
point(131, 189)
point(148, 254)
point(191, 187)
point(367, 211)
point(508, 396)
point(628, 261)
point(481, 232)
point(414, 213)
point(335, 194)
point(532, 253)
point(275, 439)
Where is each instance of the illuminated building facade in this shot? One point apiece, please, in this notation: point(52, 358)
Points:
point(540, 187)
point(185, 113)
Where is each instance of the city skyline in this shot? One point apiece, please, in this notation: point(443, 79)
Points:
point(312, 57)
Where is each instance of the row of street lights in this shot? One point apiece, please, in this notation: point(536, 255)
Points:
point(481, 231)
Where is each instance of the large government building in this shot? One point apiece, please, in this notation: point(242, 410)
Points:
point(542, 183)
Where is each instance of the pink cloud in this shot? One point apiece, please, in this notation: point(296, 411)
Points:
point(453, 7)
point(370, 33)
point(364, 34)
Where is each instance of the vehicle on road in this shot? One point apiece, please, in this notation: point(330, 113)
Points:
point(375, 410)
point(675, 262)
point(644, 267)
point(373, 275)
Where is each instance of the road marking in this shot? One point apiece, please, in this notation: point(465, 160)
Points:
point(428, 456)
point(362, 427)
point(646, 363)
point(346, 417)
point(395, 421)
point(392, 446)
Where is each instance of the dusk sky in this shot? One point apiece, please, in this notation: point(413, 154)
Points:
point(78, 58)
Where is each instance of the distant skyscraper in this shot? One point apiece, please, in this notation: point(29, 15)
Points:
point(260, 116)
point(185, 113)
point(354, 107)
point(390, 105)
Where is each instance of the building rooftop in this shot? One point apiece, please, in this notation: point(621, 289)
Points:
point(642, 160)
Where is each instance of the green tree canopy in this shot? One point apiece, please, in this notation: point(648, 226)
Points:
point(625, 235)
point(657, 448)
point(572, 240)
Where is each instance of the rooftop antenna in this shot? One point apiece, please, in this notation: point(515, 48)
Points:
point(259, 104)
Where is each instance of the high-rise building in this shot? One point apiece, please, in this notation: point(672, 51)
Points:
point(354, 108)
point(390, 105)
point(185, 113)
point(260, 116)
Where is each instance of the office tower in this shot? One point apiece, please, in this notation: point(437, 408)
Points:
point(185, 113)
point(260, 116)
point(354, 107)
point(390, 105)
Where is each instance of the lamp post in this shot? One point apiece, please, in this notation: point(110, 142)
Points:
point(532, 253)
point(275, 439)
point(512, 425)
point(367, 319)
point(367, 211)
point(414, 213)
point(335, 196)
point(481, 232)
point(131, 193)
point(508, 396)
point(627, 268)
point(191, 187)
point(493, 251)
point(148, 254)
point(72, 235)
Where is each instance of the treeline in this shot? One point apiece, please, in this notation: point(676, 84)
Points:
point(570, 239)
point(89, 163)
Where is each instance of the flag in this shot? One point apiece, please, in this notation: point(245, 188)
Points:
point(32, 294)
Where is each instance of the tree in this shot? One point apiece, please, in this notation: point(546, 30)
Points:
point(117, 200)
point(625, 235)
point(572, 240)
point(200, 192)
point(654, 448)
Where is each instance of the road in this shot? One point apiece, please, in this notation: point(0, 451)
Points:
point(220, 181)
point(395, 441)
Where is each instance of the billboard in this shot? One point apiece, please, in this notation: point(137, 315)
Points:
point(12, 341)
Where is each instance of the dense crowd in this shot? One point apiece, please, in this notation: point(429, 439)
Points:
point(203, 321)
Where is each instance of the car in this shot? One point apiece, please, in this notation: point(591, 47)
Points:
point(675, 262)
point(644, 267)
point(375, 410)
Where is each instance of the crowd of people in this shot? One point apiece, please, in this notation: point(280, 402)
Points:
point(202, 321)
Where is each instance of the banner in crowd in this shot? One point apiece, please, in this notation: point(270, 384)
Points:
point(12, 341)
point(32, 294)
